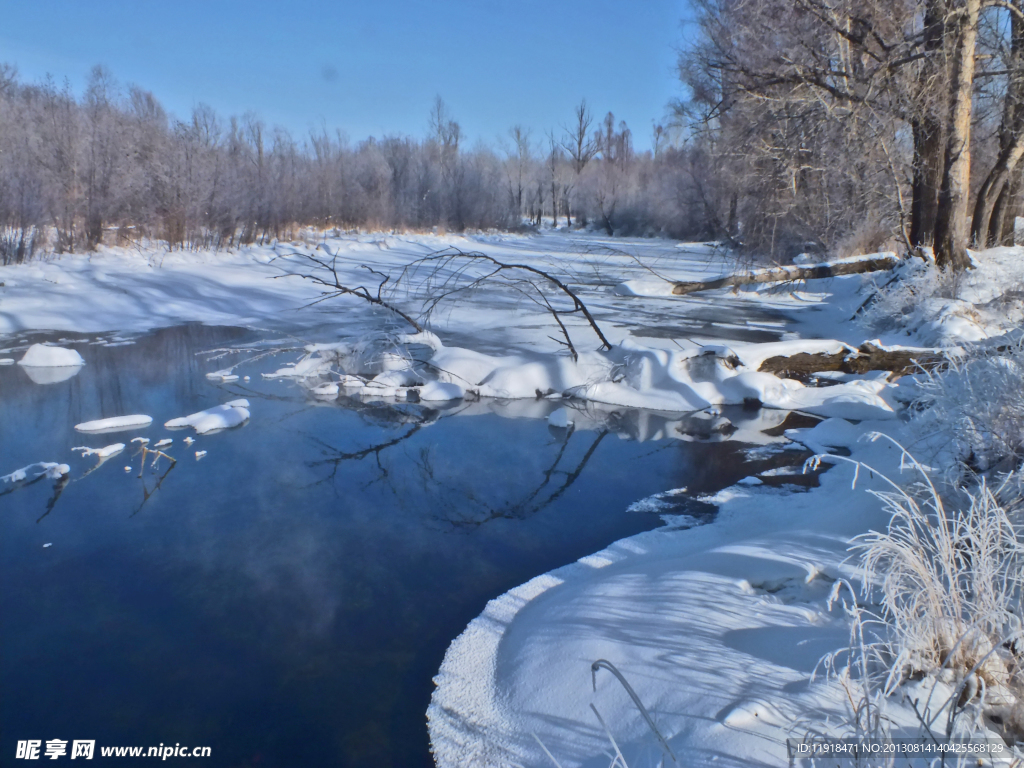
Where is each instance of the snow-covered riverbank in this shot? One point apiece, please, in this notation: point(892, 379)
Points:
point(717, 627)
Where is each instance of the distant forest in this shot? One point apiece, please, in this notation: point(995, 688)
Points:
point(113, 167)
point(826, 126)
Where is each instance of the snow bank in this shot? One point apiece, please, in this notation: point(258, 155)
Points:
point(630, 374)
point(224, 416)
point(115, 424)
point(717, 628)
point(46, 356)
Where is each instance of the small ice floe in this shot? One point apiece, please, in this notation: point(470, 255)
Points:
point(115, 424)
point(561, 418)
point(200, 454)
point(47, 544)
point(141, 440)
point(46, 356)
point(189, 440)
point(127, 469)
point(245, 378)
point(163, 443)
point(219, 417)
point(101, 453)
point(6, 361)
point(751, 480)
point(50, 469)
point(45, 364)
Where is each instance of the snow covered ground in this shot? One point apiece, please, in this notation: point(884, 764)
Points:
point(716, 627)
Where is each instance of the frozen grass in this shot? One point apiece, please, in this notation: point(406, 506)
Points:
point(923, 301)
point(947, 581)
point(976, 408)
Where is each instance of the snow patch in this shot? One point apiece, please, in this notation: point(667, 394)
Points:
point(115, 424)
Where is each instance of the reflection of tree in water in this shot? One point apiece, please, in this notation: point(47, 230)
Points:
point(460, 504)
point(540, 496)
point(335, 458)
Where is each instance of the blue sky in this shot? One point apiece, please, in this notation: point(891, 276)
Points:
point(369, 67)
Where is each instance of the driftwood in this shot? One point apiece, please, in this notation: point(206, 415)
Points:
point(879, 263)
point(868, 357)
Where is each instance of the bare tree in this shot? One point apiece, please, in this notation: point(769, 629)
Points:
point(579, 145)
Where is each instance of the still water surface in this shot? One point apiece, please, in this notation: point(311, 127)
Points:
point(287, 599)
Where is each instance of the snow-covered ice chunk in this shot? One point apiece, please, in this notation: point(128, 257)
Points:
point(6, 361)
point(200, 454)
point(438, 391)
point(189, 440)
point(127, 469)
point(101, 453)
point(46, 356)
point(141, 440)
point(50, 469)
point(561, 418)
point(163, 443)
point(115, 423)
point(330, 389)
point(219, 417)
point(47, 544)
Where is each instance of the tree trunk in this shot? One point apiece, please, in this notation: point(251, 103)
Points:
point(928, 160)
point(1011, 146)
point(1001, 225)
point(993, 191)
point(951, 227)
point(929, 130)
point(881, 261)
point(867, 357)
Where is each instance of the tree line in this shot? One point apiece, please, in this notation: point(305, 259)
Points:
point(111, 166)
point(863, 119)
point(825, 126)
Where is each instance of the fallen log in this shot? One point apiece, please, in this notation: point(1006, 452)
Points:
point(875, 263)
point(867, 357)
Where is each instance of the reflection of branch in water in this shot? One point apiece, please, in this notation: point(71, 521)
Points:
point(19, 486)
point(58, 489)
point(339, 457)
point(146, 493)
point(529, 505)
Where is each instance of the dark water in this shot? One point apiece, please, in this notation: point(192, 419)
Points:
point(286, 600)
